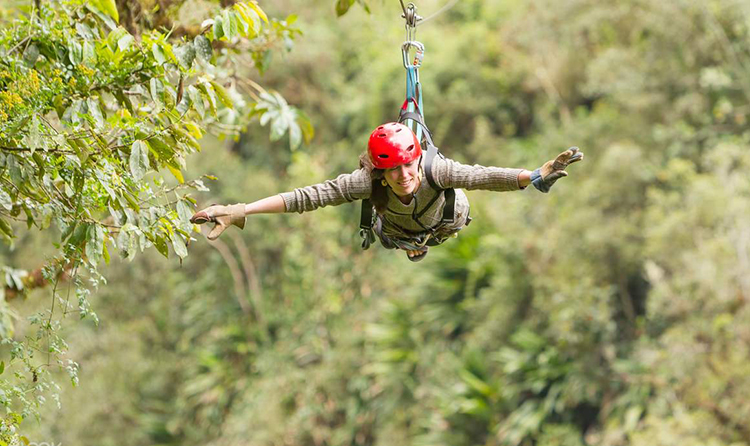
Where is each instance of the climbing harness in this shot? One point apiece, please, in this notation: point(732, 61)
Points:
point(411, 114)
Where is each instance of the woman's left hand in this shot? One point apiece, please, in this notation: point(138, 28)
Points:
point(223, 216)
point(544, 177)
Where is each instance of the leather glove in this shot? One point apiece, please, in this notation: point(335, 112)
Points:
point(223, 216)
point(544, 177)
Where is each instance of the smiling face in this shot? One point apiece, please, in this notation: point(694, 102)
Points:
point(404, 178)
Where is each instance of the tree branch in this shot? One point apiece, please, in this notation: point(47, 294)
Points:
point(36, 280)
point(234, 269)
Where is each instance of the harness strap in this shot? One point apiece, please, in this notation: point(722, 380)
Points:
point(416, 217)
point(432, 151)
point(416, 117)
point(365, 220)
point(450, 205)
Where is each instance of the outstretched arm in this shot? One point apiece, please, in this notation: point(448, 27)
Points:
point(344, 188)
point(524, 178)
point(449, 173)
point(269, 205)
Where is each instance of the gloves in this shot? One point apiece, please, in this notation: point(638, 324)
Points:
point(544, 177)
point(223, 216)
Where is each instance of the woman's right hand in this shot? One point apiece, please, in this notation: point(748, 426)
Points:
point(223, 216)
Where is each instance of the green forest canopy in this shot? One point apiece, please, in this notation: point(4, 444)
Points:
point(610, 312)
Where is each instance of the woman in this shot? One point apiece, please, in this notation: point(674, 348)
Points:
point(391, 175)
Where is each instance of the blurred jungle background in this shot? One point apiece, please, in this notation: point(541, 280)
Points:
point(611, 311)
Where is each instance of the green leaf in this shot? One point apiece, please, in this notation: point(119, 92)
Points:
point(221, 92)
point(177, 174)
point(194, 130)
point(158, 53)
point(85, 31)
point(184, 210)
point(203, 48)
point(123, 240)
point(278, 128)
point(475, 383)
point(105, 253)
point(124, 100)
point(98, 11)
point(208, 93)
point(139, 164)
point(5, 200)
point(31, 54)
point(230, 23)
point(157, 91)
point(179, 246)
point(218, 27)
point(308, 131)
point(342, 6)
point(94, 244)
point(257, 9)
point(295, 136)
point(95, 112)
point(161, 149)
point(197, 100)
point(35, 138)
point(161, 245)
point(2, 367)
point(114, 37)
point(186, 55)
point(5, 228)
point(89, 53)
point(364, 5)
point(247, 22)
point(262, 60)
point(124, 42)
point(75, 52)
point(169, 53)
point(108, 7)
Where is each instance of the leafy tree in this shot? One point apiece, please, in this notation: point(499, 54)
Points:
point(612, 312)
point(93, 114)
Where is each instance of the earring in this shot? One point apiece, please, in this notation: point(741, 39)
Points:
point(383, 182)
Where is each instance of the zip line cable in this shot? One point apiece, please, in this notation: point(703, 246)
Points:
point(421, 21)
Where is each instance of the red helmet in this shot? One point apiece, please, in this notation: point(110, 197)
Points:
point(393, 144)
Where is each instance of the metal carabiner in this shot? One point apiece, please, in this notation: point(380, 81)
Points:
point(418, 56)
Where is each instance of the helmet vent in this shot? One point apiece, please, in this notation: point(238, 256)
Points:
point(382, 156)
point(380, 128)
point(398, 129)
point(382, 135)
point(410, 148)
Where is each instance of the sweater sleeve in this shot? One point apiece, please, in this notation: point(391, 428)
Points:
point(449, 173)
point(344, 188)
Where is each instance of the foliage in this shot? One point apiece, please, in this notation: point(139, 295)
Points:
point(611, 311)
point(91, 117)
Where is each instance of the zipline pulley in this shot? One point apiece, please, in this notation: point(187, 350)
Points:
point(410, 14)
